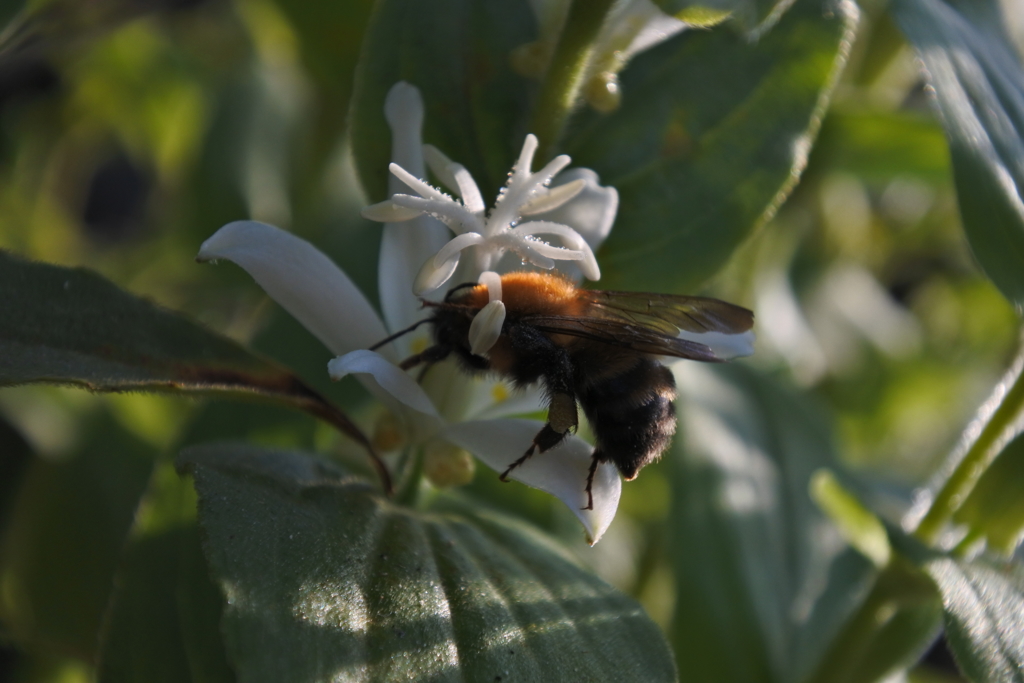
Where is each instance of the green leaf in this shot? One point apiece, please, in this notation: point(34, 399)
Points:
point(879, 146)
point(979, 88)
point(70, 326)
point(995, 507)
point(457, 53)
point(163, 623)
point(65, 534)
point(764, 582)
point(983, 607)
point(712, 135)
point(325, 580)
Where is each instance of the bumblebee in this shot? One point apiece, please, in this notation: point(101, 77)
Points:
point(595, 349)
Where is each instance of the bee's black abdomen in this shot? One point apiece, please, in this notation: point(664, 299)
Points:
point(632, 415)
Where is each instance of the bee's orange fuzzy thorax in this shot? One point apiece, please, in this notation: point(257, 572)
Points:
point(533, 294)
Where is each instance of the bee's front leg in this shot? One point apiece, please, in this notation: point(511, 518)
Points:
point(562, 416)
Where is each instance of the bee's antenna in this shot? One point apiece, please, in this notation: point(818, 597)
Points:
point(398, 334)
point(451, 291)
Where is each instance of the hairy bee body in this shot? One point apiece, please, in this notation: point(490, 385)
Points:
point(597, 350)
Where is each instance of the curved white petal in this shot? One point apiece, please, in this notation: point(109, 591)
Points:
point(302, 279)
point(409, 237)
point(582, 251)
point(420, 187)
point(431, 277)
point(388, 376)
point(453, 214)
point(591, 213)
point(389, 212)
point(455, 245)
point(551, 199)
point(455, 177)
point(561, 471)
point(486, 327)
point(403, 248)
point(403, 109)
point(493, 397)
point(440, 165)
point(492, 281)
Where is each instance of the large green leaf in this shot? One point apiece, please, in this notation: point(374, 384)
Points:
point(457, 53)
point(881, 146)
point(767, 588)
point(764, 581)
point(979, 87)
point(712, 134)
point(70, 326)
point(67, 526)
point(325, 580)
point(984, 614)
point(163, 622)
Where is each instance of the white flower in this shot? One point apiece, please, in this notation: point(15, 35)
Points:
point(452, 408)
point(490, 235)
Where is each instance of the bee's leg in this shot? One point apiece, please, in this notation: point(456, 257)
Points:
point(431, 355)
point(590, 483)
point(562, 417)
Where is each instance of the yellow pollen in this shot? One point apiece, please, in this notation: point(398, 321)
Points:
point(499, 392)
point(419, 345)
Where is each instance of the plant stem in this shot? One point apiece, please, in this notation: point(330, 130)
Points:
point(978, 457)
point(563, 81)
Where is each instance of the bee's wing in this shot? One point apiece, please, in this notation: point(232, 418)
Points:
point(665, 324)
point(624, 335)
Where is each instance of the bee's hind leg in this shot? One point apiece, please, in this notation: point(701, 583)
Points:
point(561, 418)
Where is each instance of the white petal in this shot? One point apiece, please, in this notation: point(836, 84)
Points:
point(403, 248)
point(495, 398)
point(388, 376)
point(440, 165)
point(492, 281)
point(592, 212)
point(389, 212)
point(725, 346)
point(525, 160)
point(486, 327)
point(468, 190)
point(561, 471)
point(455, 245)
point(420, 187)
point(403, 109)
point(513, 242)
point(582, 252)
point(454, 215)
point(455, 177)
point(431, 277)
point(303, 280)
point(552, 198)
point(551, 169)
